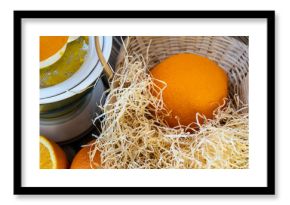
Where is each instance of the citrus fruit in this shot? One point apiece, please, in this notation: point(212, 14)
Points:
point(51, 155)
point(195, 84)
point(82, 159)
point(49, 45)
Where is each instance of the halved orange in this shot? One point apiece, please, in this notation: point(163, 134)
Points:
point(51, 49)
point(51, 155)
point(50, 45)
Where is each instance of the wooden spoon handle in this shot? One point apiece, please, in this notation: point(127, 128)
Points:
point(107, 68)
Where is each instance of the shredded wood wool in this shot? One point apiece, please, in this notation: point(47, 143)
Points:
point(135, 135)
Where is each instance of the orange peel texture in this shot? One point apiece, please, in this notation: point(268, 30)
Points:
point(195, 84)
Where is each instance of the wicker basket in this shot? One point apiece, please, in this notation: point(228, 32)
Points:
point(229, 53)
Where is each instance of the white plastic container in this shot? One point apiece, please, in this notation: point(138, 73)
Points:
point(66, 108)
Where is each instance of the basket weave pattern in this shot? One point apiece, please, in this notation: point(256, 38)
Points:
point(229, 53)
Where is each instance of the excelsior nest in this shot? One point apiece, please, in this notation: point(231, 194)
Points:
point(134, 134)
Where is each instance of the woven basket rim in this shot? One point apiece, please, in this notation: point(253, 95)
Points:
point(238, 75)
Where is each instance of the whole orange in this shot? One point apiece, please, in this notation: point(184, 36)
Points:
point(82, 160)
point(195, 84)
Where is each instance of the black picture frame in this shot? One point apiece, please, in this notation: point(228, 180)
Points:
point(268, 190)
